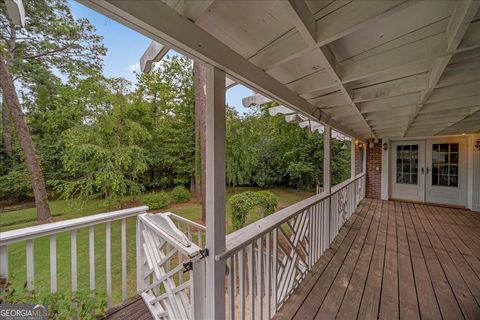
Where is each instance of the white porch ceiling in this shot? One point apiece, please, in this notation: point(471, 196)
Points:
point(369, 68)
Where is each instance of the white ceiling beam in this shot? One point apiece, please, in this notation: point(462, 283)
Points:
point(302, 19)
point(389, 103)
point(456, 29)
point(457, 103)
point(319, 80)
point(154, 53)
point(329, 100)
point(394, 59)
point(331, 26)
point(161, 23)
point(392, 88)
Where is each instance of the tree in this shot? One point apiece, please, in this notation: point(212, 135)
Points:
point(106, 155)
point(168, 93)
point(52, 39)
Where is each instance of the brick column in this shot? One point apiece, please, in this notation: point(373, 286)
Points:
point(374, 170)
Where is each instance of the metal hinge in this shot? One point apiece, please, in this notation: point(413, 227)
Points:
point(188, 266)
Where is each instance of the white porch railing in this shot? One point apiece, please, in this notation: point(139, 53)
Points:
point(265, 261)
point(73, 226)
point(268, 259)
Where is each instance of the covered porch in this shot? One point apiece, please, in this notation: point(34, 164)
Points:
point(402, 79)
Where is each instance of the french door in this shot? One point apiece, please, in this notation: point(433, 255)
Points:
point(446, 178)
point(408, 168)
point(433, 170)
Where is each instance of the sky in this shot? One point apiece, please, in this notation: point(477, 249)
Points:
point(126, 46)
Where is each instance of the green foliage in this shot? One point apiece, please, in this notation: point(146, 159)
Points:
point(180, 194)
point(60, 305)
point(167, 93)
point(15, 183)
point(243, 202)
point(107, 157)
point(156, 201)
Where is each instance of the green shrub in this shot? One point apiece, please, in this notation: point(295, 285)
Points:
point(156, 201)
point(243, 202)
point(89, 304)
point(180, 194)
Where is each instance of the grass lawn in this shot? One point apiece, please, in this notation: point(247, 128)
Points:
point(63, 210)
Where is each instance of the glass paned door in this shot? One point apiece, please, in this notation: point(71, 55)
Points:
point(445, 164)
point(446, 171)
point(408, 168)
point(407, 164)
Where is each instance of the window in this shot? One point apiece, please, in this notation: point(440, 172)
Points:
point(407, 164)
point(445, 164)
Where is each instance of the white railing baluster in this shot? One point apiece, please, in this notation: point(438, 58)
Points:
point(4, 262)
point(30, 265)
point(275, 269)
point(53, 263)
point(124, 259)
point(267, 275)
point(73, 252)
point(108, 258)
point(251, 289)
point(259, 277)
point(91, 257)
point(241, 284)
point(200, 240)
point(231, 287)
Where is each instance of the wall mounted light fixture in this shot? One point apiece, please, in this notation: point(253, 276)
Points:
point(385, 146)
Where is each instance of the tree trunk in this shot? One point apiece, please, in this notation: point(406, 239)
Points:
point(23, 133)
point(6, 128)
point(200, 100)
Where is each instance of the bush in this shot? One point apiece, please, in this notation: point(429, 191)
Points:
point(60, 305)
point(180, 194)
point(156, 201)
point(243, 202)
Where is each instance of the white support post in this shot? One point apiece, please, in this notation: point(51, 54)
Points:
point(384, 194)
point(353, 174)
point(327, 137)
point(364, 169)
point(215, 191)
point(327, 183)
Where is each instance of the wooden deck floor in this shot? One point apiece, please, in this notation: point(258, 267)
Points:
point(133, 309)
point(396, 260)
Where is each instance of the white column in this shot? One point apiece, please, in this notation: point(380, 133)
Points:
point(364, 169)
point(215, 191)
point(385, 171)
point(352, 159)
point(327, 184)
point(327, 137)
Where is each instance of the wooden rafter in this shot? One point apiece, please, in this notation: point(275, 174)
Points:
point(305, 24)
point(457, 27)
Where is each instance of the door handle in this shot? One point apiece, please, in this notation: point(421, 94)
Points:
point(428, 170)
point(423, 170)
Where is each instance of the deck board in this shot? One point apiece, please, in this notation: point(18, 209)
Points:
point(396, 260)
